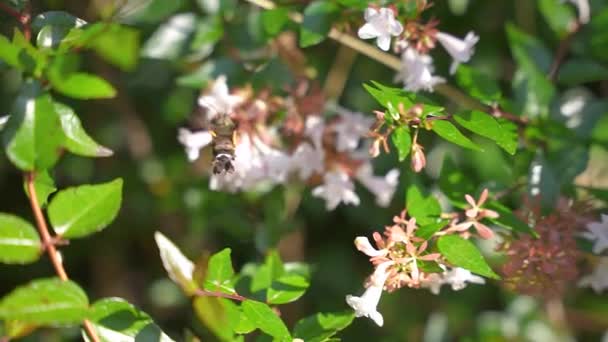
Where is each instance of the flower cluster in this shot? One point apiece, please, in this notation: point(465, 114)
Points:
point(404, 259)
point(326, 152)
point(546, 265)
point(414, 42)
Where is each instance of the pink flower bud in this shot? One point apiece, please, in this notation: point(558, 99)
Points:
point(418, 158)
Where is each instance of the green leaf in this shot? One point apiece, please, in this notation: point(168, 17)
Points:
point(56, 18)
point(31, 59)
point(169, 41)
point(19, 240)
point(322, 326)
point(508, 220)
point(388, 97)
point(44, 185)
point(463, 253)
point(558, 15)
point(287, 289)
point(424, 209)
point(77, 140)
point(478, 84)
point(81, 85)
point(179, 268)
point(318, 18)
point(274, 20)
point(80, 211)
point(262, 316)
point(117, 44)
point(47, 301)
point(428, 230)
point(220, 273)
point(449, 132)
point(9, 53)
point(271, 269)
point(114, 319)
point(403, 141)
point(221, 316)
point(581, 70)
point(486, 126)
point(33, 135)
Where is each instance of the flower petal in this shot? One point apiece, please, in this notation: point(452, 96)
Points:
point(368, 31)
point(384, 42)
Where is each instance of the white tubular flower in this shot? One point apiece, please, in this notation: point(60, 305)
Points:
point(380, 24)
point(367, 304)
point(382, 187)
point(219, 99)
point(193, 141)
point(417, 71)
point(275, 163)
point(363, 245)
point(306, 160)
point(584, 10)
point(598, 280)
point(314, 127)
point(461, 50)
point(337, 188)
point(598, 233)
point(350, 129)
point(458, 278)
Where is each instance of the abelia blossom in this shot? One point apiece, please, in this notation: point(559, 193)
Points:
point(417, 71)
point(382, 187)
point(193, 141)
point(307, 160)
point(350, 129)
point(598, 280)
point(597, 232)
point(458, 278)
point(367, 304)
point(460, 50)
point(337, 188)
point(380, 24)
point(219, 100)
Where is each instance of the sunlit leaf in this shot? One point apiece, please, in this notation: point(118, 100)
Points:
point(19, 240)
point(463, 253)
point(179, 268)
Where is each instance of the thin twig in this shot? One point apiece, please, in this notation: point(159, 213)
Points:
point(48, 243)
point(23, 18)
point(10, 11)
point(562, 51)
point(205, 293)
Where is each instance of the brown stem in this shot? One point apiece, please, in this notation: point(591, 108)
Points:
point(562, 51)
point(23, 18)
point(48, 242)
point(205, 293)
point(13, 13)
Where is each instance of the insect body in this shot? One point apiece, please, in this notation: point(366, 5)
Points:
point(223, 130)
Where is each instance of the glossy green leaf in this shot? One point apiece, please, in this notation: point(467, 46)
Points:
point(83, 210)
point(274, 20)
point(221, 316)
point(463, 253)
point(508, 220)
point(425, 209)
point(30, 58)
point(449, 132)
point(403, 141)
point(220, 274)
point(169, 41)
point(322, 326)
point(114, 319)
point(81, 85)
point(33, 135)
point(428, 230)
point(486, 126)
point(117, 44)
point(318, 18)
point(478, 84)
point(9, 53)
point(262, 316)
point(47, 301)
point(44, 185)
point(558, 15)
point(581, 70)
point(56, 18)
point(19, 240)
point(179, 268)
point(287, 289)
point(266, 273)
point(77, 140)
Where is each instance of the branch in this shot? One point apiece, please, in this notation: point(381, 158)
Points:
point(10, 11)
point(205, 293)
point(48, 243)
point(23, 18)
point(562, 51)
